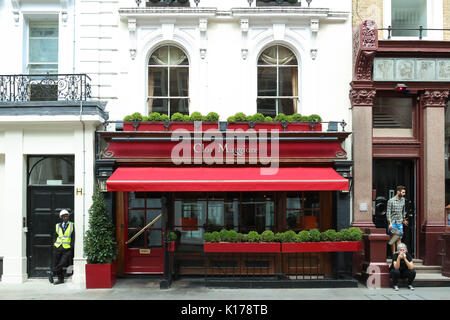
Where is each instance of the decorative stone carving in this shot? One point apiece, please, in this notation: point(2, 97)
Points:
point(434, 98)
point(132, 33)
point(244, 35)
point(314, 31)
point(362, 97)
point(365, 45)
point(203, 27)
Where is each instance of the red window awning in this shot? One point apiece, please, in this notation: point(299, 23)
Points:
point(225, 179)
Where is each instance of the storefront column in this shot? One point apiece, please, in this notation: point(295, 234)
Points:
point(14, 261)
point(84, 180)
point(433, 102)
point(362, 103)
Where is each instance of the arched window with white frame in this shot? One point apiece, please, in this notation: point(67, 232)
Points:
point(277, 81)
point(168, 81)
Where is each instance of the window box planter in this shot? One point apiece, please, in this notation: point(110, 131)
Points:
point(290, 126)
point(321, 246)
point(163, 3)
point(100, 276)
point(250, 247)
point(260, 3)
point(161, 126)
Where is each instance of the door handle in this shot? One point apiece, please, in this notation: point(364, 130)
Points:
point(143, 229)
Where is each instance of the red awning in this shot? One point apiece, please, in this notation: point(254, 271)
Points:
point(225, 179)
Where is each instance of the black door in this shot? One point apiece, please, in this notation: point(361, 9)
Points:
point(387, 175)
point(45, 203)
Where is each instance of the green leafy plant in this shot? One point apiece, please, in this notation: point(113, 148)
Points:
point(253, 236)
point(303, 236)
point(267, 236)
point(257, 117)
point(211, 236)
point(242, 237)
point(268, 119)
point(172, 236)
point(137, 116)
point(240, 117)
point(211, 117)
point(354, 234)
point(314, 117)
point(196, 116)
point(165, 117)
point(177, 117)
point(154, 116)
point(315, 235)
point(288, 236)
point(329, 235)
point(281, 117)
point(231, 119)
point(278, 236)
point(296, 117)
point(99, 243)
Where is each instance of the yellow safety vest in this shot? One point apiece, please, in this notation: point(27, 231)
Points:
point(64, 238)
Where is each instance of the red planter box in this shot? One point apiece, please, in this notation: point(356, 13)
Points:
point(100, 276)
point(171, 246)
point(292, 126)
point(159, 126)
point(321, 246)
point(260, 247)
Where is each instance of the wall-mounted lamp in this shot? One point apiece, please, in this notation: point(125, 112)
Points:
point(401, 87)
point(103, 173)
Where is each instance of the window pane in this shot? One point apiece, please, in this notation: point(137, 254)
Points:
point(257, 213)
point(158, 105)
point(179, 105)
point(408, 14)
point(288, 81)
point(139, 241)
point(267, 81)
point(287, 106)
point(136, 219)
point(267, 107)
point(42, 31)
point(286, 56)
point(43, 69)
point(215, 213)
point(157, 82)
point(135, 200)
point(154, 238)
point(179, 79)
point(43, 50)
point(51, 171)
point(160, 56)
point(152, 214)
point(392, 112)
point(177, 57)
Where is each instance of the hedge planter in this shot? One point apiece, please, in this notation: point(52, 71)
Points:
point(172, 126)
point(249, 247)
point(289, 126)
point(343, 246)
point(100, 276)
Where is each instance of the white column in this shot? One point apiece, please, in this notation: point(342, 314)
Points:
point(84, 179)
point(15, 260)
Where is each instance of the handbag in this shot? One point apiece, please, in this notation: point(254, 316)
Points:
point(395, 231)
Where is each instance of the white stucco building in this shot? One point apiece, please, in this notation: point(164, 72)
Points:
point(222, 56)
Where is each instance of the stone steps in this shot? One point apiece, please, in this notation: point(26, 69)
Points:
point(427, 276)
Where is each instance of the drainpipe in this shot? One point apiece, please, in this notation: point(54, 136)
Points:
point(84, 171)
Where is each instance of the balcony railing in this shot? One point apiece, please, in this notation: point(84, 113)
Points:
point(44, 87)
point(186, 3)
point(420, 30)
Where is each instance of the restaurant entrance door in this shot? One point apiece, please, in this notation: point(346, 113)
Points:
point(144, 244)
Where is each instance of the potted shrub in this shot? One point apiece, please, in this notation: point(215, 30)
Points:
point(231, 241)
point(281, 122)
point(100, 246)
point(172, 244)
point(327, 241)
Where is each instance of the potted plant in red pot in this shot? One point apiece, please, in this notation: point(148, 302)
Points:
point(100, 246)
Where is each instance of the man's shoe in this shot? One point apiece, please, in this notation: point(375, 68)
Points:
point(396, 288)
point(393, 239)
point(59, 281)
point(411, 287)
point(50, 277)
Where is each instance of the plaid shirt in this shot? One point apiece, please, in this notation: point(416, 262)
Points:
point(395, 210)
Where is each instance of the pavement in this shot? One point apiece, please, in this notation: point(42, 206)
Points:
point(148, 289)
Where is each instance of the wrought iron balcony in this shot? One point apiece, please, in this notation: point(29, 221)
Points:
point(261, 3)
point(167, 3)
point(44, 87)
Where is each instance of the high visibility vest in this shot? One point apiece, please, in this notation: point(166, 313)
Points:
point(64, 238)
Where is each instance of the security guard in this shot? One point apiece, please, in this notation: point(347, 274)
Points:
point(63, 247)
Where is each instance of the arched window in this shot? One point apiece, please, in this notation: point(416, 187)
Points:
point(277, 81)
point(50, 170)
point(168, 80)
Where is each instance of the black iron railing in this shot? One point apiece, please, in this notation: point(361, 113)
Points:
point(151, 3)
point(419, 30)
point(174, 3)
point(44, 87)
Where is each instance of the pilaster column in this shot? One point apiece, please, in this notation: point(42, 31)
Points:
point(362, 103)
point(15, 260)
point(433, 102)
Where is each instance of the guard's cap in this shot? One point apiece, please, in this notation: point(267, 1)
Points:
point(63, 212)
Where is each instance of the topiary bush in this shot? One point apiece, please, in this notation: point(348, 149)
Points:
point(355, 234)
point(257, 117)
point(211, 117)
point(154, 116)
point(314, 117)
point(177, 117)
point(134, 117)
point(253, 236)
point(267, 236)
point(303, 236)
point(278, 237)
point(240, 117)
point(164, 117)
point(288, 236)
point(196, 116)
point(268, 119)
point(281, 117)
point(329, 235)
point(297, 117)
point(99, 243)
point(315, 235)
point(212, 236)
point(344, 235)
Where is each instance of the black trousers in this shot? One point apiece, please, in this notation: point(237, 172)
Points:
point(397, 274)
point(61, 258)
